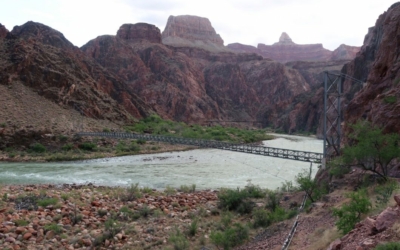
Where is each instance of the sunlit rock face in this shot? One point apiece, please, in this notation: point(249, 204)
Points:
point(192, 31)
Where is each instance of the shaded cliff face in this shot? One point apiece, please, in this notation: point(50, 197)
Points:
point(377, 65)
point(3, 31)
point(192, 31)
point(195, 85)
point(42, 59)
point(286, 51)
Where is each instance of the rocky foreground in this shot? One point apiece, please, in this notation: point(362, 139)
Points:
point(81, 217)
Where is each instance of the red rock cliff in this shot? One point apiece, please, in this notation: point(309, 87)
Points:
point(377, 65)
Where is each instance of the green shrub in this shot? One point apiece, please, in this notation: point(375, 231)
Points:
point(102, 212)
point(132, 193)
point(272, 200)
point(230, 237)
point(349, 214)
point(385, 191)
point(21, 223)
point(390, 99)
point(145, 211)
point(112, 227)
point(261, 218)
point(169, 190)
point(67, 147)
point(47, 201)
point(178, 240)
point(388, 246)
point(63, 138)
point(38, 148)
point(89, 146)
point(188, 189)
point(236, 200)
point(53, 227)
point(3, 125)
point(106, 130)
point(192, 230)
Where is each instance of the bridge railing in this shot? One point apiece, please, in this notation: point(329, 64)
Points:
point(244, 148)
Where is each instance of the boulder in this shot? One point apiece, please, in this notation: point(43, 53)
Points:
point(386, 219)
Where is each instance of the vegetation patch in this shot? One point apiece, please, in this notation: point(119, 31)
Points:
point(156, 125)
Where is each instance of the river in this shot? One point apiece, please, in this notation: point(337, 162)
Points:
point(206, 168)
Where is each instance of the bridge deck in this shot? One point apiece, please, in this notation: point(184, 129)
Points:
point(245, 148)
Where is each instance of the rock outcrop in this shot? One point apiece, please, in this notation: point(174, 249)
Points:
point(345, 52)
point(192, 31)
point(3, 31)
point(377, 65)
point(139, 32)
point(286, 51)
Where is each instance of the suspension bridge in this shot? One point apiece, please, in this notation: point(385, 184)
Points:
point(244, 148)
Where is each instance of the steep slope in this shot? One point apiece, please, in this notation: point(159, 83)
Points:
point(44, 61)
point(377, 64)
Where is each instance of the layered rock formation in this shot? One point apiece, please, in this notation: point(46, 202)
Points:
point(195, 85)
point(286, 50)
point(377, 65)
point(192, 31)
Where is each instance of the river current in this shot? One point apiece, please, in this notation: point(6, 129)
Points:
point(206, 168)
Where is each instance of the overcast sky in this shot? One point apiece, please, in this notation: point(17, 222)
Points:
point(245, 21)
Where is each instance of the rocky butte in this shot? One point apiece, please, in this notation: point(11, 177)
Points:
point(192, 31)
point(286, 50)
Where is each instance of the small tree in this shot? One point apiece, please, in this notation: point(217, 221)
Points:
point(307, 184)
point(349, 214)
point(370, 149)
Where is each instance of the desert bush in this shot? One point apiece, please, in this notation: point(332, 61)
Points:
point(102, 212)
point(385, 191)
point(388, 246)
point(131, 193)
point(169, 190)
point(261, 218)
point(178, 240)
point(349, 214)
point(38, 148)
point(192, 229)
point(88, 146)
point(67, 147)
point(188, 189)
point(47, 201)
point(63, 138)
point(230, 237)
point(53, 227)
